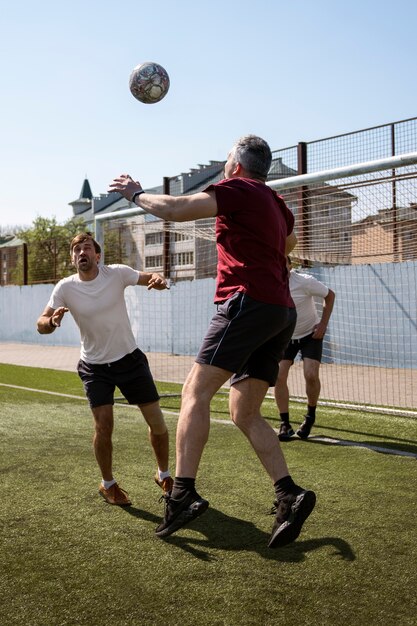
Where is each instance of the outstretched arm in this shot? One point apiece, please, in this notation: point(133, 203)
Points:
point(169, 208)
point(152, 281)
point(50, 319)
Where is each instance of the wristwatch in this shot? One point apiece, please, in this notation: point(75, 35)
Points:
point(136, 194)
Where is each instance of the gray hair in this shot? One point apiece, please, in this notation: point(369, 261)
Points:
point(254, 155)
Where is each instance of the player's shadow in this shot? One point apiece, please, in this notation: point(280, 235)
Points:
point(395, 445)
point(383, 447)
point(216, 531)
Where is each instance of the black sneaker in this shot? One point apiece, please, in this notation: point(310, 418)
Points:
point(291, 513)
point(305, 427)
point(285, 431)
point(178, 513)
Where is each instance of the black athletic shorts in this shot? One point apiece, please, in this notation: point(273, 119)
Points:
point(131, 374)
point(248, 338)
point(308, 347)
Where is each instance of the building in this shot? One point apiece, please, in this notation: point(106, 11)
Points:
point(181, 251)
point(385, 237)
point(12, 250)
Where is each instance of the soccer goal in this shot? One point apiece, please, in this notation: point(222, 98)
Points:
point(357, 232)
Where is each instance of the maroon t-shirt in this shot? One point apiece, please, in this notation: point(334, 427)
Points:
point(252, 225)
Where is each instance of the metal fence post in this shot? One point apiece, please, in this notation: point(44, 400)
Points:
point(303, 209)
point(395, 234)
point(166, 234)
point(25, 263)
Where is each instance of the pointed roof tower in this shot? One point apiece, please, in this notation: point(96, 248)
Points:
point(84, 202)
point(86, 193)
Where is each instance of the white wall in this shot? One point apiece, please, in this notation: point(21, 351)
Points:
point(171, 321)
point(373, 322)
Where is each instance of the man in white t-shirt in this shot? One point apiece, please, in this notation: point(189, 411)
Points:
point(109, 355)
point(307, 339)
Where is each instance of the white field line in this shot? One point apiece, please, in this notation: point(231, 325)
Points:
point(50, 393)
point(314, 438)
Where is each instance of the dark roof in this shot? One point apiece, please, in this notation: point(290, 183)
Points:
point(105, 200)
point(195, 180)
point(10, 241)
point(202, 178)
point(199, 178)
point(280, 170)
point(86, 193)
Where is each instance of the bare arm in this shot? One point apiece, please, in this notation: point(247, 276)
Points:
point(170, 208)
point(50, 319)
point(290, 243)
point(152, 281)
point(328, 302)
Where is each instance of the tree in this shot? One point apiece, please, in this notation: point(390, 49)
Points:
point(48, 248)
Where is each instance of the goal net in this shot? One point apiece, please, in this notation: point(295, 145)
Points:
point(357, 233)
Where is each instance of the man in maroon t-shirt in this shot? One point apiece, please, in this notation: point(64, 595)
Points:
point(247, 336)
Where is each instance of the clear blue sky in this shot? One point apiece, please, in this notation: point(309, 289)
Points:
point(288, 71)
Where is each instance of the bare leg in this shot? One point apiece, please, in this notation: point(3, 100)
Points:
point(158, 433)
point(282, 394)
point(102, 440)
point(194, 421)
point(245, 402)
point(313, 385)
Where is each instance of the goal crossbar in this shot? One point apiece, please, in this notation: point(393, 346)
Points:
point(345, 172)
point(285, 183)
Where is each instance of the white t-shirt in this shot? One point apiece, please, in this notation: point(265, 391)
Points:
point(303, 288)
point(99, 309)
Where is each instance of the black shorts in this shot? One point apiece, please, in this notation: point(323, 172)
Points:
point(131, 375)
point(308, 347)
point(248, 338)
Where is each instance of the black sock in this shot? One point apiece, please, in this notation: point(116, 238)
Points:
point(311, 412)
point(182, 486)
point(286, 486)
point(285, 417)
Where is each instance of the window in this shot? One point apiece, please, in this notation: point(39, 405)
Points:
point(182, 258)
point(180, 236)
point(153, 261)
point(154, 238)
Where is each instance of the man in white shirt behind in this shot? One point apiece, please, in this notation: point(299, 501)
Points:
point(308, 340)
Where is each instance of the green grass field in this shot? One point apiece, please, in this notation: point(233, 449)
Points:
point(69, 558)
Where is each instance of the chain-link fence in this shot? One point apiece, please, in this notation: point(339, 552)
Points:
point(361, 146)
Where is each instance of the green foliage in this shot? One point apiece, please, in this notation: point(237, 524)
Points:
point(48, 249)
point(113, 244)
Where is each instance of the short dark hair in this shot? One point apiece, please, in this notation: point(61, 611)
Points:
point(254, 155)
point(86, 236)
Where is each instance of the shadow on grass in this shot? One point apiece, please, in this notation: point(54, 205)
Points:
point(224, 532)
point(383, 447)
point(365, 434)
point(394, 446)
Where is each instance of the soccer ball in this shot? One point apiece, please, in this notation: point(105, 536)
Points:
point(149, 82)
